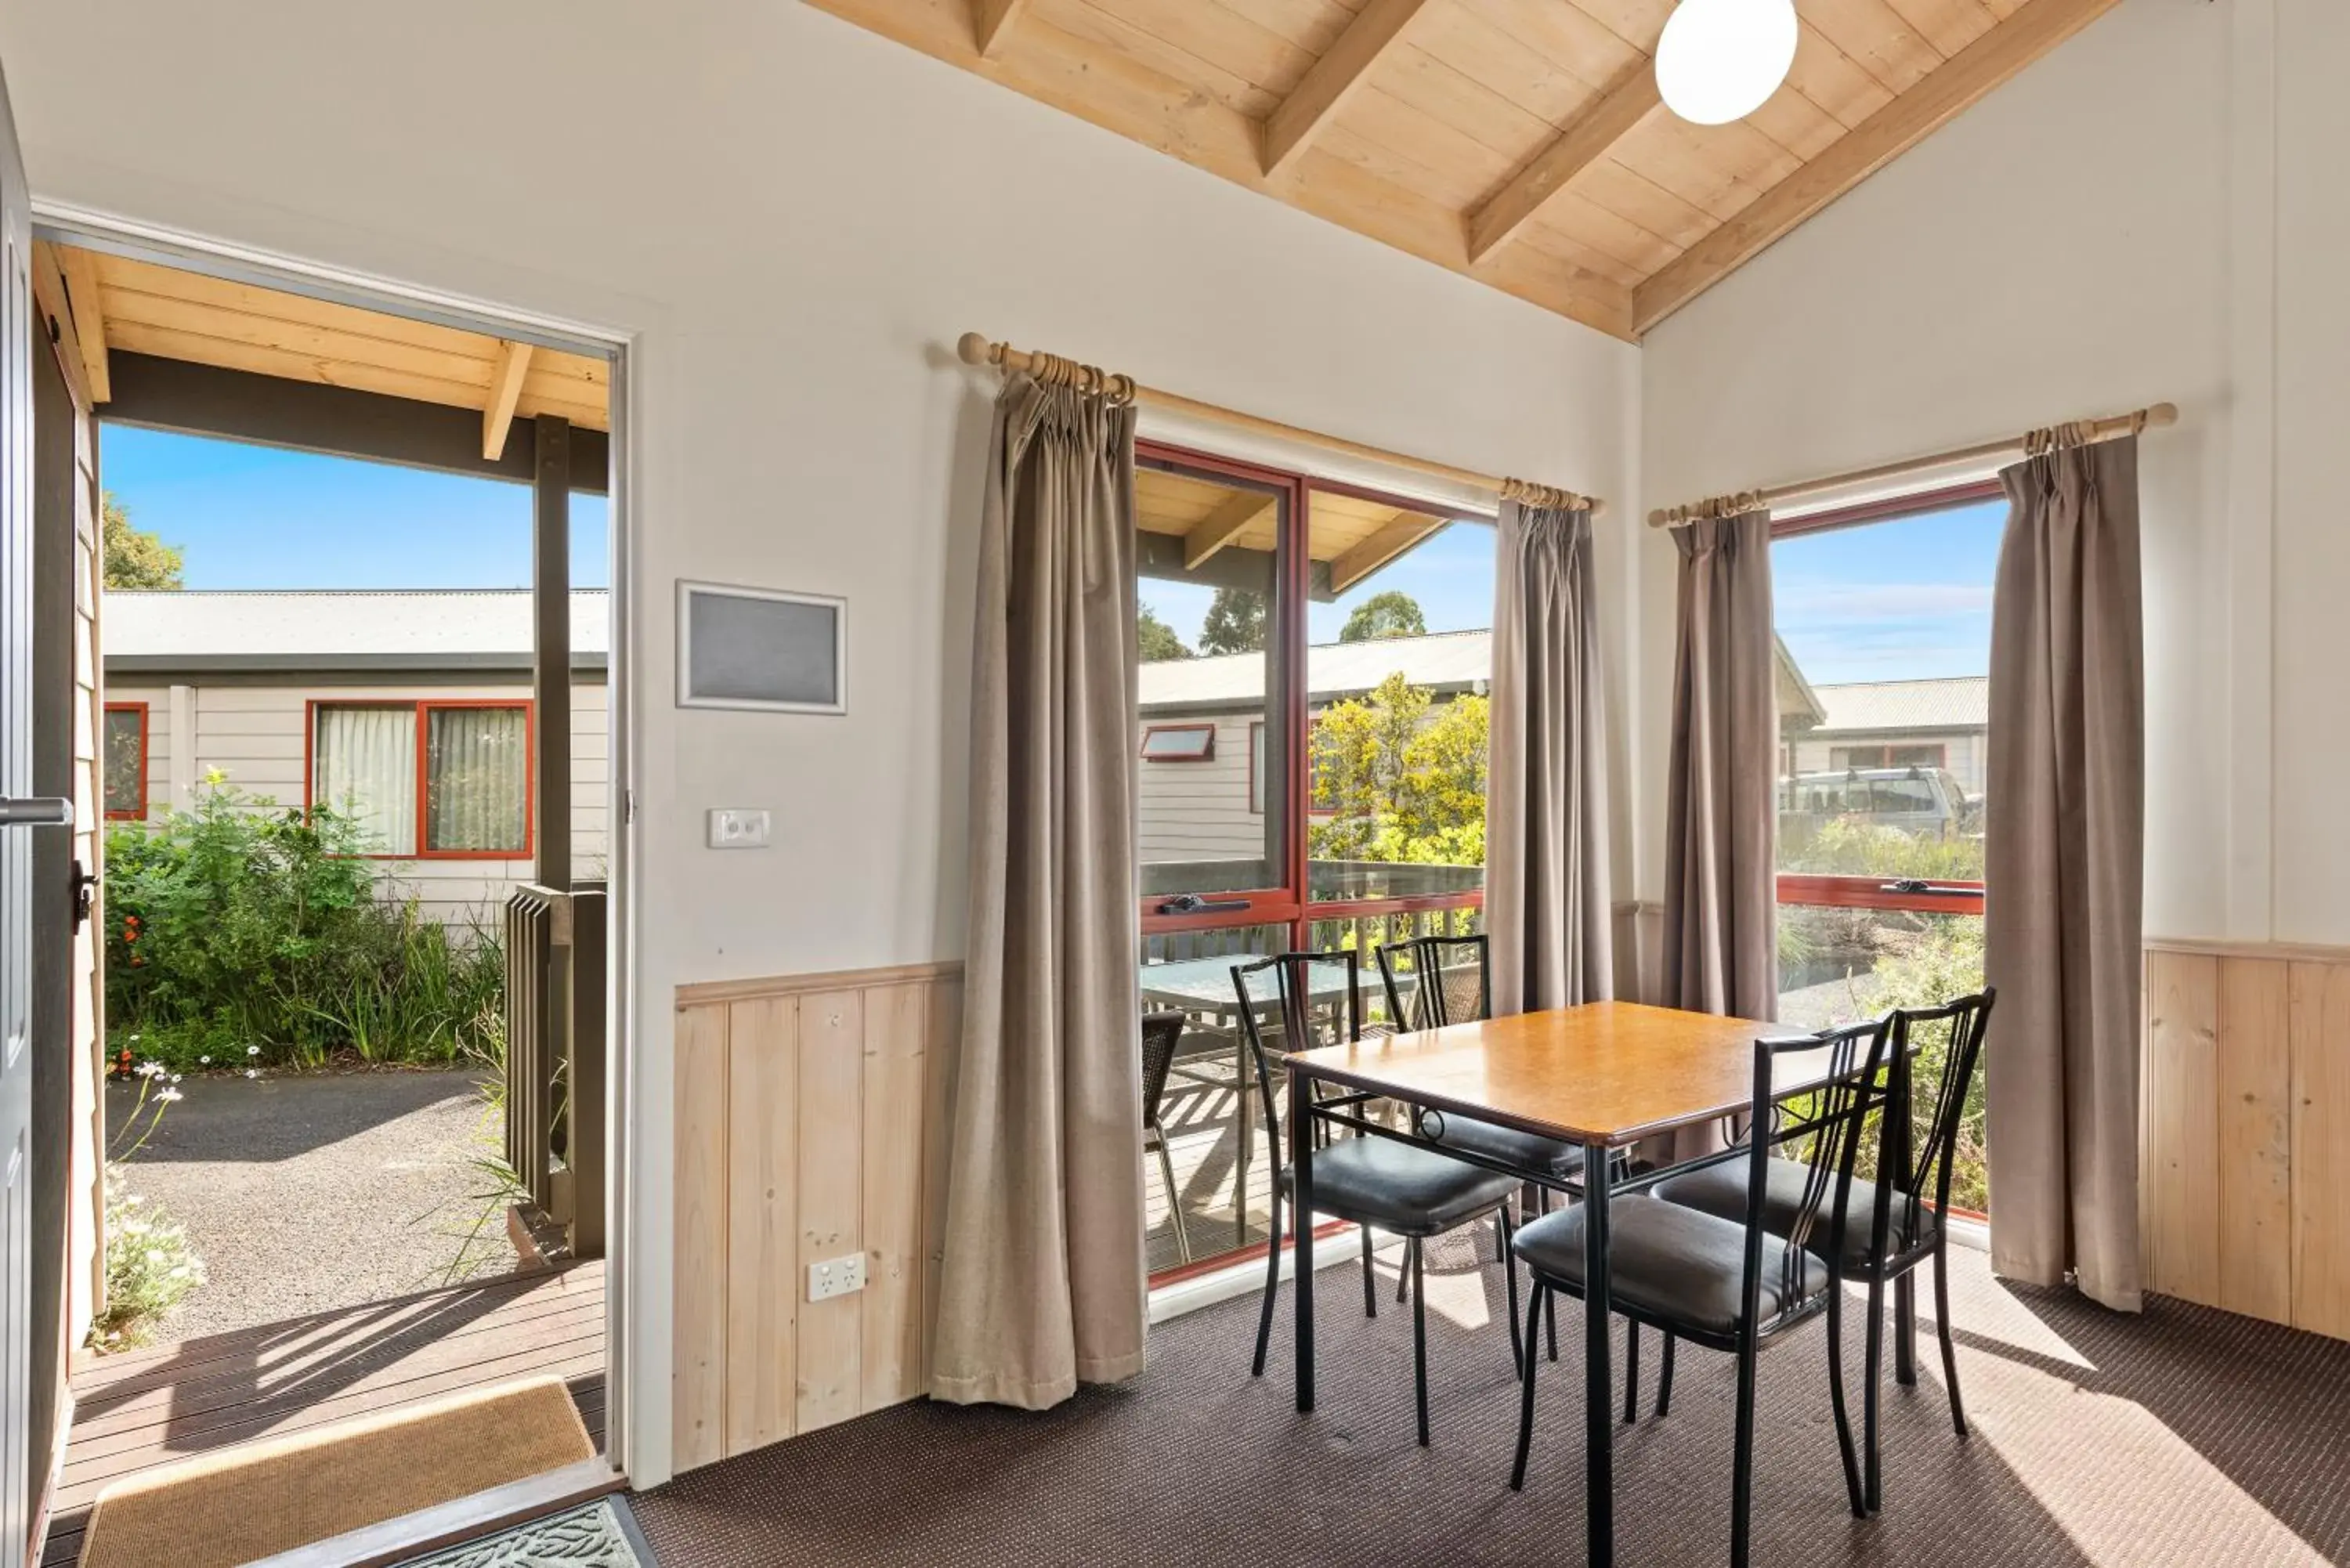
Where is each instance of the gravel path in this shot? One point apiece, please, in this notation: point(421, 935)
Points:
point(316, 1191)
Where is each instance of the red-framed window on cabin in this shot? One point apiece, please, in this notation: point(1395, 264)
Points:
point(1883, 615)
point(427, 779)
point(124, 763)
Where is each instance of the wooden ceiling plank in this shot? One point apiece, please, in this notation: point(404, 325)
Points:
point(1832, 79)
point(1641, 201)
point(1226, 37)
point(1227, 522)
point(50, 297)
point(1794, 122)
point(1334, 78)
point(993, 20)
point(1908, 119)
point(83, 293)
point(505, 390)
point(129, 305)
point(1606, 122)
point(1949, 25)
point(1576, 219)
point(196, 288)
point(1875, 36)
point(1084, 19)
point(1456, 56)
point(140, 339)
point(1407, 529)
point(1566, 35)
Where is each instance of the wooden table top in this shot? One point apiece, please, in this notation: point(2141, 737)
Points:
point(1609, 1072)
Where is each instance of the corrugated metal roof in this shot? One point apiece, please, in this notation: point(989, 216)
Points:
point(1959, 702)
point(1450, 658)
point(338, 629)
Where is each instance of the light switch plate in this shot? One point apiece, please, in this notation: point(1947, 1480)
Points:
point(836, 1277)
point(738, 827)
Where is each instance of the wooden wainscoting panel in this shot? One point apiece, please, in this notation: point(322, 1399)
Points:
point(2320, 1029)
point(2182, 1090)
point(763, 1274)
point(831, 1185)
point(698, 1349)
point(808, 1121)
point(937, 1086)
point(2255, 1208)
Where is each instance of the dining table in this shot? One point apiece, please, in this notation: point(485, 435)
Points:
point(1603, 1076)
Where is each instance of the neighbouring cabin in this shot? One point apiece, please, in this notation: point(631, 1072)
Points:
point(412, 710)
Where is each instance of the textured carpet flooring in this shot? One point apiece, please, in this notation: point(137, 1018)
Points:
point(2185, 1438)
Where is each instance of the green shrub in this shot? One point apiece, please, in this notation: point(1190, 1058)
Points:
point(240, 932)
point(1942, 964)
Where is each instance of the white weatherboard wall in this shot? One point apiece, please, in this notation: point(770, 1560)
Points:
point(2099, 233)
point(798, 218)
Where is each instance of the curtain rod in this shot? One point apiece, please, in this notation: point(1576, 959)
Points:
point(975, 350)
point(2083, 431)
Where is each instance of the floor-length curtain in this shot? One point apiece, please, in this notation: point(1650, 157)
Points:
point(1722, 903)
point(1042, 1282)
point(2063, 863)
point(1546, 891)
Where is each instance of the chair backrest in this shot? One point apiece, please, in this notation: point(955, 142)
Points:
point(1431, 981)
point(1942, 1045)
point(1162, 1033)
point(1827, 1122)
point(1277, 1013)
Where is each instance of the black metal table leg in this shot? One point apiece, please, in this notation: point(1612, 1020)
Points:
point(1598, 1382)
point(1904, 1330)
point(1301, 1222)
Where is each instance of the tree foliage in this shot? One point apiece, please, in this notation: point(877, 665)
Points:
point(1235, 622)
point(134, 557)
point(1402, 779)
point(1156, 640)
point(1393, 613)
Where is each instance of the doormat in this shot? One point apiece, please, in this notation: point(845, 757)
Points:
point(602, 1534)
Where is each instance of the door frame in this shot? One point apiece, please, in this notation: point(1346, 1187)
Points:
point(68, 224)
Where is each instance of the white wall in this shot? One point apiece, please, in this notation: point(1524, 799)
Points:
point(798, 218)
point(2093, 237)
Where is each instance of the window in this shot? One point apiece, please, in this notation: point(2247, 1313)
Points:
point(1848, 757)
point(1179, 743)
point(426, 779)
point(126, 759)
point(1314, 806)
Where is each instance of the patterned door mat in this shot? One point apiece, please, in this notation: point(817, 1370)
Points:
point(601, 1534)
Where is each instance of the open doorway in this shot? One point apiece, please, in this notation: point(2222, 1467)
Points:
point(339, 1121)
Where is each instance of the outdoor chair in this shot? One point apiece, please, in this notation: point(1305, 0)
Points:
point(1162, 1033)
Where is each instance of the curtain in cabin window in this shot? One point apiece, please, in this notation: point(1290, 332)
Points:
point(476, 780)
point(363, 765)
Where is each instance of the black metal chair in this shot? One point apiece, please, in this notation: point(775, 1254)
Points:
point(1732, 1286)
point(1404, 1189)
point(1162, 1033)
point(1892, 1226)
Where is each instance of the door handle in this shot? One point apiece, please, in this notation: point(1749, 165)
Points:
point(81, 882)
point(36, 811)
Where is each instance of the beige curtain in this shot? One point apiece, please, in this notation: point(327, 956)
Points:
point(1722, 822)
point(1546, 893)
point(1042, 1280)
point(2063, 862)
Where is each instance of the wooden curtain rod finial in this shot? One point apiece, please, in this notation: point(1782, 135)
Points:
point(974, 350)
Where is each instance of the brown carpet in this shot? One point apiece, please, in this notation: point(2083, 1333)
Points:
point(2184, 1438)
point(264, 1497)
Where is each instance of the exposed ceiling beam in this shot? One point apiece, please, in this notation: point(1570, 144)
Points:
point(49, 296)
point(90, 318)
point(1608, 119)
point(1227, 522)
point(505, 391)
point(1334, 79)
point(1407, 529)
point(993, 20)
point(1884, 136)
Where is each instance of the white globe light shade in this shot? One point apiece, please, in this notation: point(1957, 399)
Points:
point(1718, 60)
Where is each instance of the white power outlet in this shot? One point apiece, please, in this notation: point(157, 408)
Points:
point(738, 827)
point(836, 1277)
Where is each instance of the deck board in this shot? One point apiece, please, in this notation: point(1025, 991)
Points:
point(143, 1409)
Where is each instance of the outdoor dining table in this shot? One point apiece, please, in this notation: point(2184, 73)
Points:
point(1603, 1076)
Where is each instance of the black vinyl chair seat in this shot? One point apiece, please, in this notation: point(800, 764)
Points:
point(1676, 1266)
point(1525, 1150)
point(1720, 1190)
point(1403, 1190)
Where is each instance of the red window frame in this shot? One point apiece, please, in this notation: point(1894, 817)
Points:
point(1964, 898)
point(146, 734)
point(1208, 754)
point(423, 708)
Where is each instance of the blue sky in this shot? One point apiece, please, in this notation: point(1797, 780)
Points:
point(256, 518)
point(1905, 600)
point(1452, 576)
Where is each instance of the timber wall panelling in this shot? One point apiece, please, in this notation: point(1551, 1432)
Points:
point(807, 1110)
point(2245, 1198)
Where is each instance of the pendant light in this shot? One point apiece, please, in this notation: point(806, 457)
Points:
point(1718, 60)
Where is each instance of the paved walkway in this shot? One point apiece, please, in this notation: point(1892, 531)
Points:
point(311, 1192)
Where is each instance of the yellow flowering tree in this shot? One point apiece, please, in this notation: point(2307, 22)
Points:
point(1401, 778)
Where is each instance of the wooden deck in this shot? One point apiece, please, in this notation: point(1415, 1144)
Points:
point(147, 1408)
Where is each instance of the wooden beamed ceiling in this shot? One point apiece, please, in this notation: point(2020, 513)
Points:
point(1519, 141)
